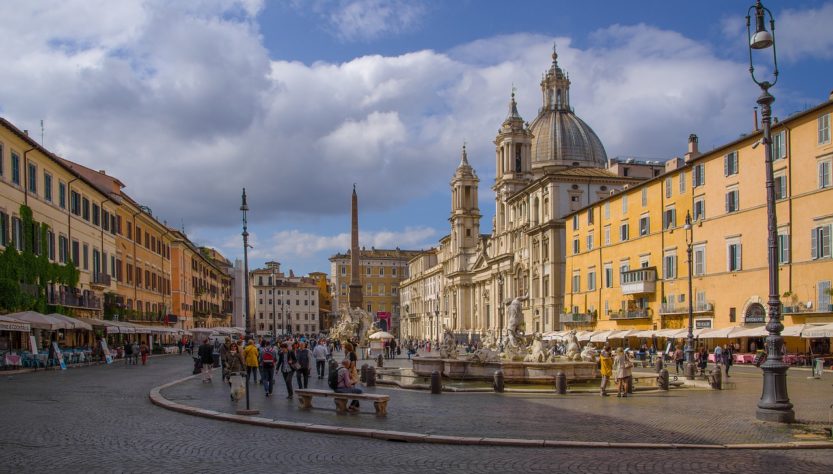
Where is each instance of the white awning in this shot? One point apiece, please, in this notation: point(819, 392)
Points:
point(624, 334)
point(9, 324)
point(721, 333)
point(600, 336)
point(818, 331)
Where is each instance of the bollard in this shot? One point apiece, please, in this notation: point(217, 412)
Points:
point(371, 377)
point(658, 365)
point(561, 383)
point(662, 380)
point(436, 383)
point(380, 361)
point(716, 378)
point(498, 384)
point(363, 373)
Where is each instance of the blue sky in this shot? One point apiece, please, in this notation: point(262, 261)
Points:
point(187, 102)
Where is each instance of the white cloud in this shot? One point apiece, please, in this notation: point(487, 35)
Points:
point(805, 33)
point(364, 20)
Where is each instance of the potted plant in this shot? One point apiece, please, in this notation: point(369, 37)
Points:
point(793, 300)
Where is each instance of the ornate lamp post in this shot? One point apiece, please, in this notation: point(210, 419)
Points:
point(500, 310)
point(245, 208)
point(774, 404)
point(689, 343)
point(274, 315)
point(437, 317)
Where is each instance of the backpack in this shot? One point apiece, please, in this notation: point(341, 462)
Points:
point(332, 379)
point(268, 357)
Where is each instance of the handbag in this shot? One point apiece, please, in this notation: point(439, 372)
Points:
point(295, 366)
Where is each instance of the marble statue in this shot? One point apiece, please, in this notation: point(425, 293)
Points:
point(354, 323)
point(537, 352)
point(588, 354)
point(448, 346)
point(573, 348)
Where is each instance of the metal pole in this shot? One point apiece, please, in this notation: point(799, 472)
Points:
point(245, 208)
point(274, 316)
point(689, 347)
point(774, 404)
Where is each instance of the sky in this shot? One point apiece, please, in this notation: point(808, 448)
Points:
point(187, 102)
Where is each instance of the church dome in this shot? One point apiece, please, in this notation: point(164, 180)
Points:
point(559, 136)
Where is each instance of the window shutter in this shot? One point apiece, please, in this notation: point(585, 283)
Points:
point(726, 165)
point(727, 201)
point(729, 258)
point(739, 258)
point(825, 241)
point(814, 243)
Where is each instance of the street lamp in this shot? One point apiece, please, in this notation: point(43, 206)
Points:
point(245, 208)
point(500, 309)
point(437, 315)
point(689, 343)
point(274, 297)
point(774, 404)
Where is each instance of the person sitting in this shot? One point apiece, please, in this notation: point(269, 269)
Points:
point(346, 385)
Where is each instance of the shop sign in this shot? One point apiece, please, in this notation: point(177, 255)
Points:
point(754, 318)
point(59, 355)
point(11, 326)
point(703, 324)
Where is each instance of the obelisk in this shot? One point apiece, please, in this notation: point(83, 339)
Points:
point(355, 298)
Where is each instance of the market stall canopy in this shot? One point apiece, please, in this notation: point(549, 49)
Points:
point(39, 321)
point(76, 323)
point(137, 328)
point(9, 324)
point(381, 335)
point(584, 335)
point(818, 331)
point(554, 335)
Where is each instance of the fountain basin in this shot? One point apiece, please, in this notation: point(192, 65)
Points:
point(514, 372)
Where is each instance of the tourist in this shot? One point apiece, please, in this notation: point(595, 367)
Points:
point(302, 356)
point(286, 365)
point(678, 358)
point(144, 352)
point(223, 351)
point(205, 353)
point(350, 354)
point(267, 363)
point(346, 384)
point(233, 361)
point(136, 351)
point(320, 354)
point(702, 360)
point(718, 356)
point(728, 357)
point(622, 366)
point(180, 344)
point(250, 356)
point(605, 368)
point(128, 353)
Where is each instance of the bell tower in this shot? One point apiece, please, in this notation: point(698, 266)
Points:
point(465, 212)
point(513, 160)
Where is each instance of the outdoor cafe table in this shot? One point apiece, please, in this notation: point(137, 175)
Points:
point(744, 358)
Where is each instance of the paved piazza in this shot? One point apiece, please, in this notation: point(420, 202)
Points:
point(99, 419)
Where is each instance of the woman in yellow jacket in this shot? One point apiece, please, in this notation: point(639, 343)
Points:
point(251, 354)
point(605, 368)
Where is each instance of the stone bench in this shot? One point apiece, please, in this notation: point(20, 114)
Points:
point(380, 402)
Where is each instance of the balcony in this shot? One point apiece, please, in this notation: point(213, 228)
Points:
point(644, 313)
point(635, 282)
point(100, 280)
point(576, 318)
point(84, 301)
point(682, 308)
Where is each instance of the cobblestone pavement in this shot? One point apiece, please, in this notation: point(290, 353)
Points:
point(99, 419)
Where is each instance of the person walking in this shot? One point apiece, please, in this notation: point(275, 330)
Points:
point(320, 354)
point(250, 356)
point(223, 351)
point(234, 362)
point(702, 360)
point(622, 366)
point(678, 358)
point(718, 356)
point(728, 357)
point(346, 384)
point(144, 352)
point(286, 365)
point(267, 363)
point(304, 358)
point(128, 353)
point(205, 353)
point(136, 349)
point(605, 368)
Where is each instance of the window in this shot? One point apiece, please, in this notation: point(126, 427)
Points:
point(591, 280)
point(824, 295)
point(669, 218)
point(608, 276)
point(62, 195)
point(4, 229)
point(86, 259)
point(644, 197)
point(824, 174)
point(96, 215)
point(368, 271)
point(732, 201)
point(63, 248)
point(682, 182)
point(698, 175)
point(699, 255)
point(779, 146)
point(343, 270)
point(33, 178)
point(85, 209)
point(590, 241)
point(2, 159)
point(824, 129)
point(699, 209)
point(820, 242)
point(138, 235)
point(575, 246)
point(644, 225)
point(669, 186)
point(670, 265)
point(607, 235)
point(75, 253)
point(780, 187)
point(17, 233)
point(47, 186)
point(623, 232)
point(575, 222)
point(730, 164)
point(607, 210)
point(576, 282)
point(783, 248)
point(590, 216)
point(75, 203)
point(50, 245)
point(105, 219)
point(733, 256)
point(624, 203)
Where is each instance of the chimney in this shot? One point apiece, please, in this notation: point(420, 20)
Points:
point(693, 150)
point(102, 172)
point(830, 97)
point(26, 132)
point(755, 118)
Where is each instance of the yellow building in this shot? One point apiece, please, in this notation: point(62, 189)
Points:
point(201, 289)
point(78, 212)
point(627, 265)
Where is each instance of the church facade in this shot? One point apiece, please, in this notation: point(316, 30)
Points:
point(544, 171)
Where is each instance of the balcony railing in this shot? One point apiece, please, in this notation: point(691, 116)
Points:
point(576, 318)
point(643, 280)
point(682, 308)
point(102, 279)
point(85, 301)
point(633, 314)
point(824, 307)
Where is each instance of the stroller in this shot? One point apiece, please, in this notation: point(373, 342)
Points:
point(237, 385)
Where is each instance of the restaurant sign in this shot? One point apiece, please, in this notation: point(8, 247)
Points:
point(703, 324)
point(13, 326)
